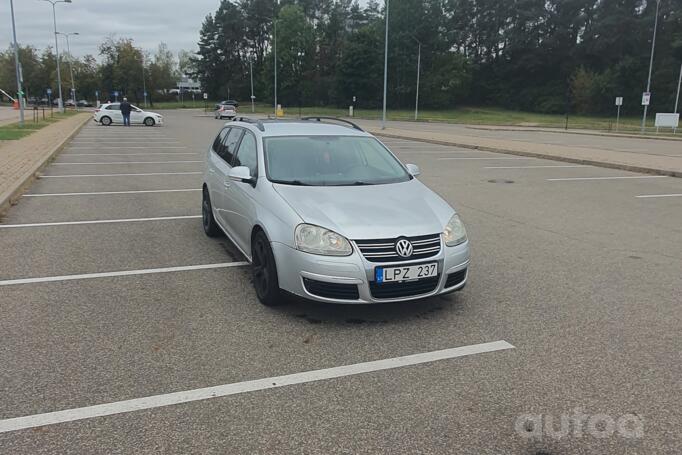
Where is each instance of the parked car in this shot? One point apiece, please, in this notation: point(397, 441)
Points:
point(227, 103)
point(226, 111)
point(110, 113)
point(84, 103)
point(328, 213)
point(69, 103)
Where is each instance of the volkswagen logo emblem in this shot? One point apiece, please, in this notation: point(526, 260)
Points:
point(404, 248)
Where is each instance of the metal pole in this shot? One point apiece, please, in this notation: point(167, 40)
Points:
point(60, 105)
point(618, 118)
point(253, 107)
point(73, 86)
point(274, 22)
point(651, 64)
point(383, 116)
point(416, 101)
point(679, 83)
point(17, 67)
point(144, 84)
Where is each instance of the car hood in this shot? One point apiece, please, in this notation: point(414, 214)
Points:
point(372, 211)
point(152, 113)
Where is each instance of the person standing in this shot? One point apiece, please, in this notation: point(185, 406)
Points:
point(125, 111)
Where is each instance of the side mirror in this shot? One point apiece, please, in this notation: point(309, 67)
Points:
point(241, 174)
point(413, 169)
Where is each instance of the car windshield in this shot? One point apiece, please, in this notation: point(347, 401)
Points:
point(331, 161)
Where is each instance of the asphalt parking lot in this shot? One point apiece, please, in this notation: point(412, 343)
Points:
point(575, 282)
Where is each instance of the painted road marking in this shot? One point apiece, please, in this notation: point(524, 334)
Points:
point(127, 162)
point(116, 175)
point(646, 196)
point(486, 158)
point(609, 178)
point(109, 192)
point(187, 396)
point(71, 223)
point(86, 276)
point(131, 147)
point(130, 154)
point(532, 167)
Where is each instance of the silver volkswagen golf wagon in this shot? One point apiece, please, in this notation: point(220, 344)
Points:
point(323, 210)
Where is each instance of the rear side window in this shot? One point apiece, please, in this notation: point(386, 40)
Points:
point(229, 145)
point(248, 154)
point(217, 143)
point(114, 107)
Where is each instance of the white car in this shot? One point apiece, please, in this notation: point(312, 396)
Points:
point(110, 113)
point(226, 111)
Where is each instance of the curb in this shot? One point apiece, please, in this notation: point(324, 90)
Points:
point(606, 164)
point(10, 197)
point(582, 133)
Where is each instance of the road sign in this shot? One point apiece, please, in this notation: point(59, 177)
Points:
point(205, 96)
point(253, 97)
point(96, 93)
point(49, 91)
point(619, 101)
point(115, 93)
point(646, 98)
point(145, 94)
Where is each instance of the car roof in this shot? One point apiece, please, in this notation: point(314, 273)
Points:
point(285, 127)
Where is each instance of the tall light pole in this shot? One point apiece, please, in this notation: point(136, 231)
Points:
point(56, 48)
point(274, 39)
point(17, 66)
point(679, 83)
point(651, 64)
point(253, 107)
point(144, 83)
point(419, 60)
point(383, 117)
point(68, 49)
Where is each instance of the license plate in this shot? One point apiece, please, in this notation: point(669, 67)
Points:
point(406, 273)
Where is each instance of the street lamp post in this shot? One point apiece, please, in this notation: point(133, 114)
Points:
point(651, 64)
point(17, 65)
point(56, 48)
point(68, 49)
point(274, 39)
point(679, 84)
point(253, 107)
point(144, 83)
point(419, 59)
point(383, 116)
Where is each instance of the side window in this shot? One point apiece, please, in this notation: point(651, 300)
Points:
point(229, 145)
point(114, 107)
point(247, 155)
point(217, 143)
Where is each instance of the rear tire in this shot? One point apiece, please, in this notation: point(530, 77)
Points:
point(264, 272)
point(149, 121)
point(208, 221)
point(106, 121)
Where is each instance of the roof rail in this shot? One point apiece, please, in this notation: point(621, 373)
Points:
point(320, 118)
point(257, 122)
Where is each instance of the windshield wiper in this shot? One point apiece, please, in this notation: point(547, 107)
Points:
point(359, 183)
point(291, 182)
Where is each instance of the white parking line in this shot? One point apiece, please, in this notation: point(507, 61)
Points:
point(127, 162)
point(76, 141)
point(646, 196)
point(609, 178)
point(130, 154)
point(187, 396)
point(116, 175)
point(125, 220)
point(86, 276)
point(127, 147)
point(531, 167)
point(109, 192)
point(487, 158)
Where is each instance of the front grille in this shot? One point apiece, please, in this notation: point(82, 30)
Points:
point(455, 278)
point(383, 250)
point(332, 290)
point(403, 289)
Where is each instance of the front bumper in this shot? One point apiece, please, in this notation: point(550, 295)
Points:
point(305, 274)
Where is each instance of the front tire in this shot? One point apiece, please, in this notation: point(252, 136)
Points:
point(106, 121)
point(149, 121)
point(211, 228)
point(264, 271)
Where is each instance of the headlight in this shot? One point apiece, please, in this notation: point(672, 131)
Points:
point(317, 240)
point(454, 232)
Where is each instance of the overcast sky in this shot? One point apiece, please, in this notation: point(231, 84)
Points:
point(147, 22)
